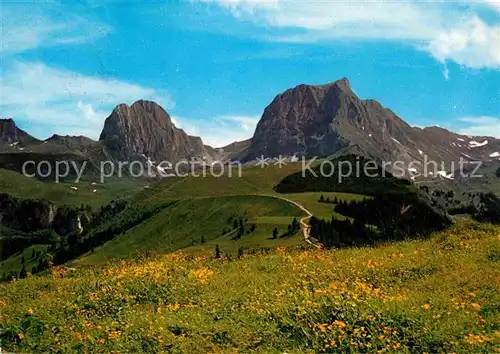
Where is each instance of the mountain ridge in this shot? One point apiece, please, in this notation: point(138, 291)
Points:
point(306, 120)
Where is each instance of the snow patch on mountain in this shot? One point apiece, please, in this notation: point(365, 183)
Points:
point(443, 174)
point(397, 141)
point(474, 144)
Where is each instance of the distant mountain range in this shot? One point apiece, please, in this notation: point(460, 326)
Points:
point(306, 121)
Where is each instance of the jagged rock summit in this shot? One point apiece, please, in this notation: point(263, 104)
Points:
point(146, 129)
point(324, 120)
point(10, 134)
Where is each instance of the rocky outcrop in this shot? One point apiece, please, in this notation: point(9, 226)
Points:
point(30, 215)
point(331, 120)
point(69, 143)
point(10, 134)
point(70, 220)
point(26, 214)
point(146, 130)
point(232, 152)
point(299, 121)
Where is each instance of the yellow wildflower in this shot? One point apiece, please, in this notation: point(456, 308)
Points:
point(202, 274)
point(340, 324)
point(475, 339)
point(476, 306)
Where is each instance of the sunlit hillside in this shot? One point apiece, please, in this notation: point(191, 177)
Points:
point(62, 193)
point(438, 295)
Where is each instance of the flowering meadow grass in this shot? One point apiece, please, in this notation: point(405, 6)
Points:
point(437, 295)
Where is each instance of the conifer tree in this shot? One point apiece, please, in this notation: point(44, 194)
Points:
point(23, 272)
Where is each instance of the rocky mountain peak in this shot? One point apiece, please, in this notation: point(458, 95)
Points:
point(324, 120)
point(343, 84)
point(11, 134)
point(8, 131)
point(143, 110)
point(146, 129)
point(304, 120)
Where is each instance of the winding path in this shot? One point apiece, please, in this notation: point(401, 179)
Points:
point(304, 226)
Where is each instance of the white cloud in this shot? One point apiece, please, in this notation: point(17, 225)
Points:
point(330, 19)
point(191, 127)
point(493, 3)
point(445, 31)
point(64, 101)
point(473, 44)
point(221, 130)
point(481, 126)
point(26, 26)
point(176, 122)
point(238, 7)
point(56, 101)
point(247, 123)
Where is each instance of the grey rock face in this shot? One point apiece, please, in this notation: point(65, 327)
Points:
point(11, 134)
point(330, 119)
point(146, 129)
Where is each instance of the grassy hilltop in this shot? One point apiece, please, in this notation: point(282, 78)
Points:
point(201, 207)
point(60, 193)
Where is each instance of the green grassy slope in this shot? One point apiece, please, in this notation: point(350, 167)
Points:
point(434, 296)
point(261, 238)
point(253, 180)
point(183, 225)
point(60, 193)
point(322, 210)
point(14, 263)
point(344, 174)
point(204, 206)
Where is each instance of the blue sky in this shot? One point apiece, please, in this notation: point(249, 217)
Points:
point(215, 65)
